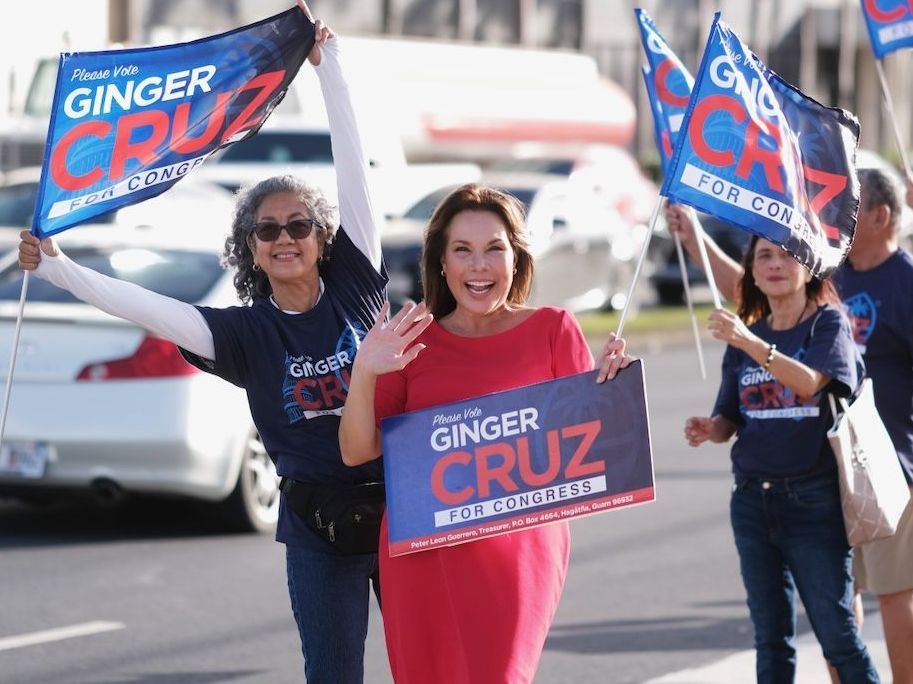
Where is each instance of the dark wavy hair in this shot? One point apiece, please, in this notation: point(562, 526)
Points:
point(252, 283)
point(474, 197)
point(879, 187)
point(754, 305)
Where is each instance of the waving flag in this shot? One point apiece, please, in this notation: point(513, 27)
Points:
point(128, 124)
point(890, 24)
point(756, 152)
point(668, 83)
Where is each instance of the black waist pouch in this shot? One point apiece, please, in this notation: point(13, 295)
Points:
point(347, 517)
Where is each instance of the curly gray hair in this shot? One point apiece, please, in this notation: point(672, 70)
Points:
point(252, 283)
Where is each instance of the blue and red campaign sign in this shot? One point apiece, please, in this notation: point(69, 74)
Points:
point(890, 24)
point(756, 152)
point(516, 459)
point(128, 124)
point(669, 85)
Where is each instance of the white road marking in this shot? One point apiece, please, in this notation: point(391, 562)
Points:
point(84, 629)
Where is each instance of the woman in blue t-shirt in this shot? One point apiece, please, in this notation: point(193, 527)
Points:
point(313, 283)
point(789, 345)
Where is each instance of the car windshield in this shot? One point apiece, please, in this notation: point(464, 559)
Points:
point(17, 204)
point(281, 148)
point(184, 275)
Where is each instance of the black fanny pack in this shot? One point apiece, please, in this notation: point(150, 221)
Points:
point(347, 517)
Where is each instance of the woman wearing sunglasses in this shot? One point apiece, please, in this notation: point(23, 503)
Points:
point(291, 348)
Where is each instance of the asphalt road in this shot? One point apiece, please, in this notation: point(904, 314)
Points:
point(159, 595)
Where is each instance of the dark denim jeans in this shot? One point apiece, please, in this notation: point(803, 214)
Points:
point(329, 596)
point(790, 537)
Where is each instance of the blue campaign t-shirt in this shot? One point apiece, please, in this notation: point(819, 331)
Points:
point(879, 302)
point(296, 369)
point(780, 434)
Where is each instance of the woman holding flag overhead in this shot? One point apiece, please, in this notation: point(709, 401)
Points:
point(291, 350)
point(789, 345)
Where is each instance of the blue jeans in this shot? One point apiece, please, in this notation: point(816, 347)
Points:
point(790, 538)
point(330, 596)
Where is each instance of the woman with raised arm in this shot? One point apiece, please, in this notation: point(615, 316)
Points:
point(789, 345)
point(291, 348)
point(478, 612)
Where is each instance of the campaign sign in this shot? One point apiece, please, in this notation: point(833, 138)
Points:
point(759, 154)
point(516, 459)
point(668, 82)
point(890, 24)
point(128, 124)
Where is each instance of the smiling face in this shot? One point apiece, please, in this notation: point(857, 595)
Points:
point(478, 261)
point(285, 260)
point(776, 272)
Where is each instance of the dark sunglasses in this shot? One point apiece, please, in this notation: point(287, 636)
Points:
point(297, 229)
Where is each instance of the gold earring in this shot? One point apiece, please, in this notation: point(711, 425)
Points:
point(443, 275)
point(515, 270)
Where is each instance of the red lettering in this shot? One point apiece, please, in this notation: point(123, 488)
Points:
point(331, 389)
point(755, 153)
point(769, 394)
point(60, 172)
point(703, 109)
point(147, 150)
point(300, 386)
point(182, 142)
point(832, 184)
point(267, 84)
point(438, 487)
point(554, 461)
point(576, 467)
point(144, 151)
point(488, 473)
point(880, 15)
point(662, 90)
point(749, 397)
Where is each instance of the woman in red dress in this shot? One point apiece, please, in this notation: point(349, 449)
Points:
point(479, 612)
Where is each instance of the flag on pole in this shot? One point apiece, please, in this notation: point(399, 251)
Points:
point(890, 24)
point(668, 83)
point(756, 152)
point(128, 124)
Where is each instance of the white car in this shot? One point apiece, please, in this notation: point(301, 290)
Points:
point(99, 406)
point(585, 252)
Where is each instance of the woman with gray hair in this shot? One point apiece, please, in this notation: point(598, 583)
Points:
point(311, 288)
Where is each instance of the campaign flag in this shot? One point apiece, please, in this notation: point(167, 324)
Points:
point(516, 459)
point(890, 24)
point(668, 83)
point(756, 152)
point(128, 124)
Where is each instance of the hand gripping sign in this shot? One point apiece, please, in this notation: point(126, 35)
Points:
point(516, 459)
point(756, 152)
point(128, 124)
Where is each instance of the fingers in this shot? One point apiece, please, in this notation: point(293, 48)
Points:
point(697, 430)
point(29, 251)
point(612, 358)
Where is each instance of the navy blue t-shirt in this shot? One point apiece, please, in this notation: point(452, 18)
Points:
point(880, 305)
point(296, 369)
point(780, 434)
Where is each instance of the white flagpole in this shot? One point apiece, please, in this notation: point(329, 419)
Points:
point(699, 234)
point(889, 105)
point(692, 316)
point(13, 351)
point(640, 263)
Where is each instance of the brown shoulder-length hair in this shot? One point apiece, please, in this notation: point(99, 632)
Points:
point(474, 197)
point(753, 304)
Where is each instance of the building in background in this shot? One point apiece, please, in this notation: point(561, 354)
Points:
point(819, 45)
